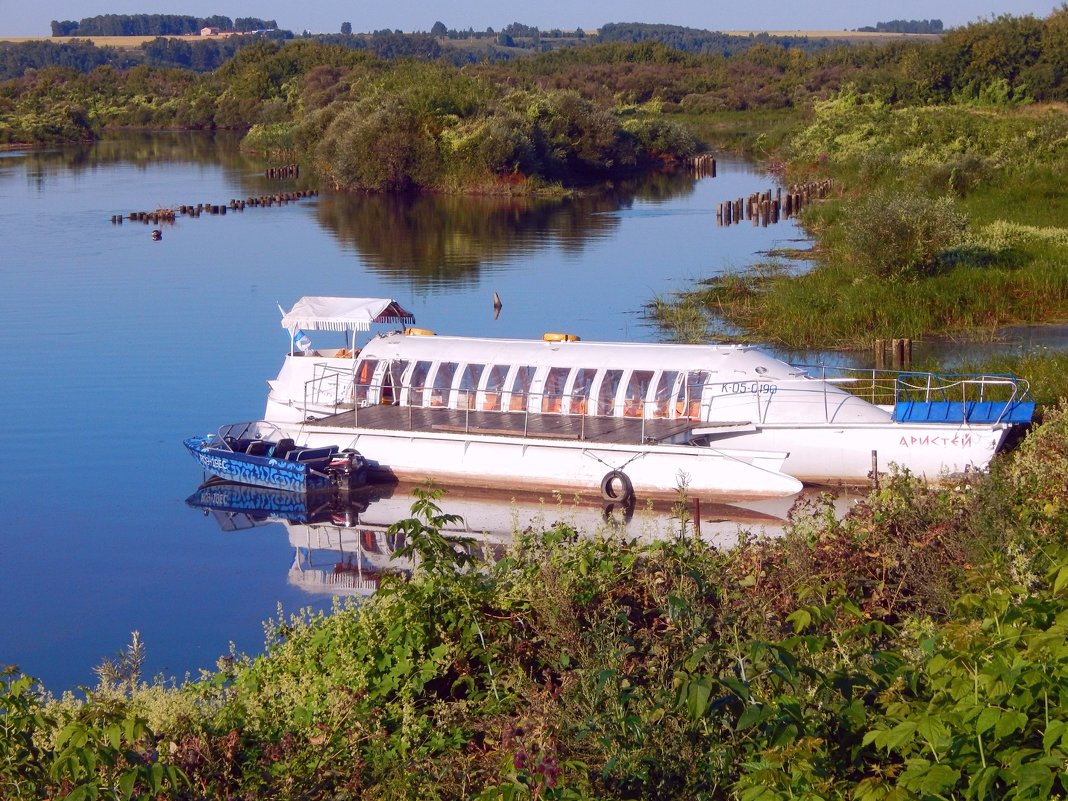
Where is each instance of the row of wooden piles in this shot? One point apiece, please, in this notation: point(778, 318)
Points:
point(236, 204)
point(763, 208)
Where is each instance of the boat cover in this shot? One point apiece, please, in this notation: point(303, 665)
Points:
point(343, 314)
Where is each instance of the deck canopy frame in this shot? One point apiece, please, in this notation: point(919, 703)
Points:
point(325, 313)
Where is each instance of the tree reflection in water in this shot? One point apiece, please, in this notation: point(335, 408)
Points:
point(446, 239)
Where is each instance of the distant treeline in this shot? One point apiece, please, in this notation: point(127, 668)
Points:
point(698, 41)
point(156, 25)
point(493, 46)
point(905, 26)
point(60, 92)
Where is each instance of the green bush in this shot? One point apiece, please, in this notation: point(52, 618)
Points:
point(901, 236)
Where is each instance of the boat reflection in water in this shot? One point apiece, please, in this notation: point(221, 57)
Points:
point(342, 544)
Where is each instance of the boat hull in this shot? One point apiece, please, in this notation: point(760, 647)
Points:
point(257, 471)
point(502, 462)
point(846, 454)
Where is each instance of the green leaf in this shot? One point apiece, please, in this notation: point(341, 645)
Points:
point(696, 695)
point(1009, 722)
point(695, 658)
point(758, 792)
point(801, 619)
point(1061, 580)
point(987, 718)
point(983, 780)
point(873, 735)
point(929, 778)
point(901, 734)
point(931, 729)
point(1054, 732)
point(1031, 775)
point(156, 773)
point(753, 714)
point(66, 733)
point(126, 784)
point(736, 686)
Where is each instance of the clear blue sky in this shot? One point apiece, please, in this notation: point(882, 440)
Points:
point(20, 18)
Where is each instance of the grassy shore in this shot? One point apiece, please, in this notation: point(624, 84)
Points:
point(943, 222)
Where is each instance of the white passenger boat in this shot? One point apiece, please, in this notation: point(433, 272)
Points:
point(725, 419)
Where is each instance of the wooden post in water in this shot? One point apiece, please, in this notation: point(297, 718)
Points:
point(897, 347)
point(880, 354)
point(697, 518)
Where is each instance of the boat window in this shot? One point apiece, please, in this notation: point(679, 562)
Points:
point(637, 389)
point(580, 390)
point(491, 397)
point(439, 395)
point(524, 374)
point(465, 393)
point(361, 385)
point(417, 382)
point(606, 395)
point(665, 391)
point(553, 394)
point(690, 403)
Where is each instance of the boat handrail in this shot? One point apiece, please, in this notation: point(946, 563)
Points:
point(329, 385)
point(966, 395)
point(889, 387)
point(529, 403)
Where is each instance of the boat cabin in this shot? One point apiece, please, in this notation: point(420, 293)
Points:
point(565, 377)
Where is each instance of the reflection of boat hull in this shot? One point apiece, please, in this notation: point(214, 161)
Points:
point(265, 503)
point(343, 542)
point(261, 502)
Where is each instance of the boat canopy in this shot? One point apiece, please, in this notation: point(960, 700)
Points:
point(343, 314)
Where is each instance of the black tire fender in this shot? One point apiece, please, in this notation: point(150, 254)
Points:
point(616, 487)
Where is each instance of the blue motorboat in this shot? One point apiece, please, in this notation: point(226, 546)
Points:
point(257, 453)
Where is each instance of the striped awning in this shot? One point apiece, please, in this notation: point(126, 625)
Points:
point(343, 314)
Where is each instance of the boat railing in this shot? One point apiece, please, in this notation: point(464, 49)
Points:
point(529, 404)
point(934, 397)
point(969, 398)
point(329, 386)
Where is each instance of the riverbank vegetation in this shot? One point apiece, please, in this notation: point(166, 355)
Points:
point(914, 649)
point(571, 115)
point(946, 221)
point(947, 216)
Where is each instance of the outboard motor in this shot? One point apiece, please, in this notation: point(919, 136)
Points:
point(348, 469)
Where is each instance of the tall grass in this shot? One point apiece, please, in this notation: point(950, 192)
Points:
point(949, 221)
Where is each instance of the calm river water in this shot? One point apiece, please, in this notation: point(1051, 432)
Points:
point(117, 347)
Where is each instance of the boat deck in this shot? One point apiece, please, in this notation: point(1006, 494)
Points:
point(619, 430)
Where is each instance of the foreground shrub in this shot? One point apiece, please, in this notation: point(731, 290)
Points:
point(901, 236)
